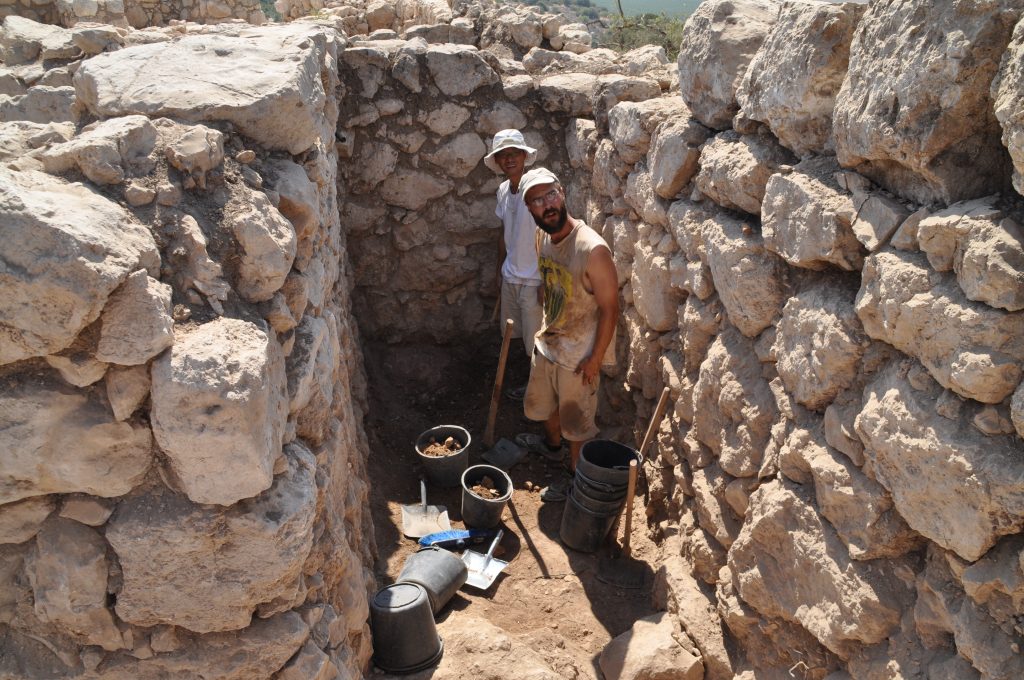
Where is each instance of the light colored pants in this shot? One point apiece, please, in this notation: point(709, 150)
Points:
point(522, 304)
point(556, 388)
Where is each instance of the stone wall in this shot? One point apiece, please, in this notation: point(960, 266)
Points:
point(182, 484)
point(135, 13)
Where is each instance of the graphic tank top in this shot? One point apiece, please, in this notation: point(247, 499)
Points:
point(570, 312)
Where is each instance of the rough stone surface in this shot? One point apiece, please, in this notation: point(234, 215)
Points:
point(60, 440)
point(263, 541)
point(1008, 107)
point(268, 244)
point(806, 219)
point(136, 322)
point(926, 461)
point(21, 520)
point(929, 134)
point(65, 249)
point(219, 407)
point(458, 70)
point(842, 603)
point(719, 40)
point(650, 650)
point(272, 89)
point(734, 169)
point(968, 347)
point(792, 81)
point(127, 389)
point(105, 152)
point(674, 154)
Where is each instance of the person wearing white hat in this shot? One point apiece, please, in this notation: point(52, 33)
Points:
point(518, 277)
point(577, 337)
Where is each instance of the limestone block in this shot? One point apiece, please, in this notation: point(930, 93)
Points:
point(952, 484)
point(380, 14)
point(268, 245)
point(263, 542)
point(614, 88)
point(377, 161)
point(807, 220)
point(136, 321)
point(127, 388)
point(23, 40)
point(644, 59)
point(272, 91)
point(369, 63)
point(20, 521)
point(298, 201)
point(104, 151)
point(460, 155)
point(929, 134)
point(609, 170)
point(1009, 111)
point(406, 70)
point(640, 196)
point(78, 368)
point(581, 143)
point(459, 70)
point(651, 294)
point(312, 363)
point(674, 154)
point(649, 649)
point(413, 189)
point(968, 347)
point(253, 652)
point(714, 514)
point(18, 138)
point(843, 603)
point(60, 440)
point(737, 408)
point(818, 344)
point(734, 169)
point(445, 119)
point(719, 41)
point(573, 38)
point(500, 116)
point(196, 151)
point(193, 268)
point(309, 664)
point(570, 93)
point(68, 572)
point(699, 323)
point(95, 38)
point(984, 248)
point(642, 369)
point(878, 218)
point(516, 87)
point(792, 81)
point(748, 278)
point(42, 104)
point(631, 124)
point(219, 405)
point(87, 509)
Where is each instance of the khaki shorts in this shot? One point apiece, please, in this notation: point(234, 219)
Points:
point(521, 303)
point(555, 388)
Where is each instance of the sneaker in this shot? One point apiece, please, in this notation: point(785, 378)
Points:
point(534, 443)
point(555, 492)
point(516, 393)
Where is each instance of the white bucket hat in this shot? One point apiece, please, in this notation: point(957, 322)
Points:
point(534, 177)
point(509, 139)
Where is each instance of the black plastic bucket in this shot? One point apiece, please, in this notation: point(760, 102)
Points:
point(607, 462)
point(444, 470)
point(484, 513)
point(582, 529)
point(439, 572)
point(599, 491)
point(405, 636)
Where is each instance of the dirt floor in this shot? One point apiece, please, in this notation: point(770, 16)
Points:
point(550, 594)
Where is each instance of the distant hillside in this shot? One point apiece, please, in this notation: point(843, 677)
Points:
point(682, 8)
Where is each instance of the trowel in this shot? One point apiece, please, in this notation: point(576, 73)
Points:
point(483, 569)
point(422, 519)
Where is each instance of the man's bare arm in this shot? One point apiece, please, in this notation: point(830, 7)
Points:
point(604, 284)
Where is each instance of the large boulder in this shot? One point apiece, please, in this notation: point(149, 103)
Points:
point(136, 323)
point(734, 169)
point(952, 484)
point(969, 347)
point(265, 80)
point(719, 40)
point(674, 154)
point(792, 81)
point(64, 250)
point(105, 152)
point(631, 124)
point(176, 556)
point(268, 245)
point(219, 405)
point(57, 439)
point(843, 603)
point(914, 113)
point(651, 649)
point(651, 292)
point(1007, 91)
point(459, 70)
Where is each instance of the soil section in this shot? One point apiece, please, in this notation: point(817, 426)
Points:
point(549, 597)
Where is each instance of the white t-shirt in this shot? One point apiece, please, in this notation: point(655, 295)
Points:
point(520, 266)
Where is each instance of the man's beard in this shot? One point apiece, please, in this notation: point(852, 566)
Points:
point(563, 216)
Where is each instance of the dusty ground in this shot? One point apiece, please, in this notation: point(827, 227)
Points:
point(549, 598)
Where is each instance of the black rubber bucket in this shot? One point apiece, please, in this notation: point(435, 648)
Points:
point(484, 513)
point(599, 491)
point(405, 636)
point(440, 573)
point(607, 462)
point(444, 470)
point(582, 529)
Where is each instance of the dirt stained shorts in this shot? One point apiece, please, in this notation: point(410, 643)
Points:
point(553, 387)
point(521, 303)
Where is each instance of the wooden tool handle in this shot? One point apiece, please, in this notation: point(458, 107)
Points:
point(659, 411)
point(630, 492)
point(498, 380)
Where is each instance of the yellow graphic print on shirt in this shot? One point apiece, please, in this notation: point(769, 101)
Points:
point(557, 290)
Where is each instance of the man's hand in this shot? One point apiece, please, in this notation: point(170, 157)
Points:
point(588, 369)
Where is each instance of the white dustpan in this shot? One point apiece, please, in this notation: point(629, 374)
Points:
point(483, 569)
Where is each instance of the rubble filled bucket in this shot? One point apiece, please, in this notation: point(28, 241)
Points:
point(444, 470)
point(479, 512)
point(607, 462)
point(440, 572)
point(582, 529)
point(405, 636)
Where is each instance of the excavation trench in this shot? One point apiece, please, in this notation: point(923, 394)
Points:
point(549, 598)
